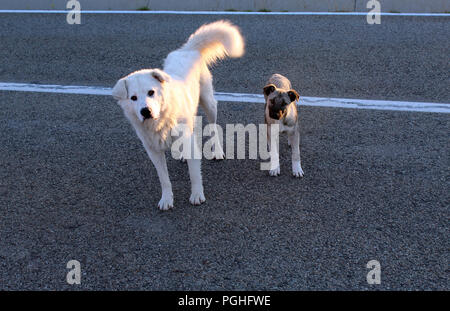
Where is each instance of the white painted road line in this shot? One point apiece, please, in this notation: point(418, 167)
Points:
point(246, 98)
point(52, 88)
point(220, 13)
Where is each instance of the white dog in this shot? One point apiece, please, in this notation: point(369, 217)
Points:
point(155, 100)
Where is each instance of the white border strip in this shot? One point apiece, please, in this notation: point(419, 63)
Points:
point(221, 13)
point(246, 98)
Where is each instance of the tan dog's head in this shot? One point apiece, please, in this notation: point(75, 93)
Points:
point(141, 93)
point(277, 100)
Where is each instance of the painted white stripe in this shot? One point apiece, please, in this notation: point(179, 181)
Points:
point(246, 98)
point(343, 103)
point(53, 88)
point(220, 13)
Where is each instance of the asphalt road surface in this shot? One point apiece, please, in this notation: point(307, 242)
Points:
point(75, 182)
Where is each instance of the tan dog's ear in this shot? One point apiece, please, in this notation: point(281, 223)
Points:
point(269, 88)
point(120, 90)
point(293, 95)
point(160, 75)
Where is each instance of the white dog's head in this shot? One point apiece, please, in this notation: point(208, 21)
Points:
point(141, 93)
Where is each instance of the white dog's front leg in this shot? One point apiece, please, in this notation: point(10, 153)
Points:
point(294, 137)
point(197, 195)
point(217, 147)
point(273, 140)
point(195, 174)
point(159, 161)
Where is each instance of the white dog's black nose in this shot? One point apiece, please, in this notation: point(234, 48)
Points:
point(145, 112)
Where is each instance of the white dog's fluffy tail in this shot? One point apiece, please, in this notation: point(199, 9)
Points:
point(216, 41)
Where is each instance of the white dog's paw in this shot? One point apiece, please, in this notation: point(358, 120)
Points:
point(197, 198)
point(165, 203)
point(275, 171)
point(181, 159)
point(178, 156)
point(297, 169)
point(218, 154)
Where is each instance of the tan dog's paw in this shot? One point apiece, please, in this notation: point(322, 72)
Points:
point(297, 169)
point(275, 171)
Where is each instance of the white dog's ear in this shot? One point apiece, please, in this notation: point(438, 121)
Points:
point(120, 90)
point(160, 75)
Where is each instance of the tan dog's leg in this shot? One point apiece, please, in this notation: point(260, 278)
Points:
point(294, 138)
point(273, 141)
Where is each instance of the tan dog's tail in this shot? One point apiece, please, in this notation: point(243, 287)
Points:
point(216, 41)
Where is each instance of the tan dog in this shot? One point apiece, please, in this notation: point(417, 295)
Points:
point(281, 109)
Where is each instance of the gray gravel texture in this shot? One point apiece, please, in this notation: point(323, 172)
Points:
point(75, 182)
point(404, 58)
